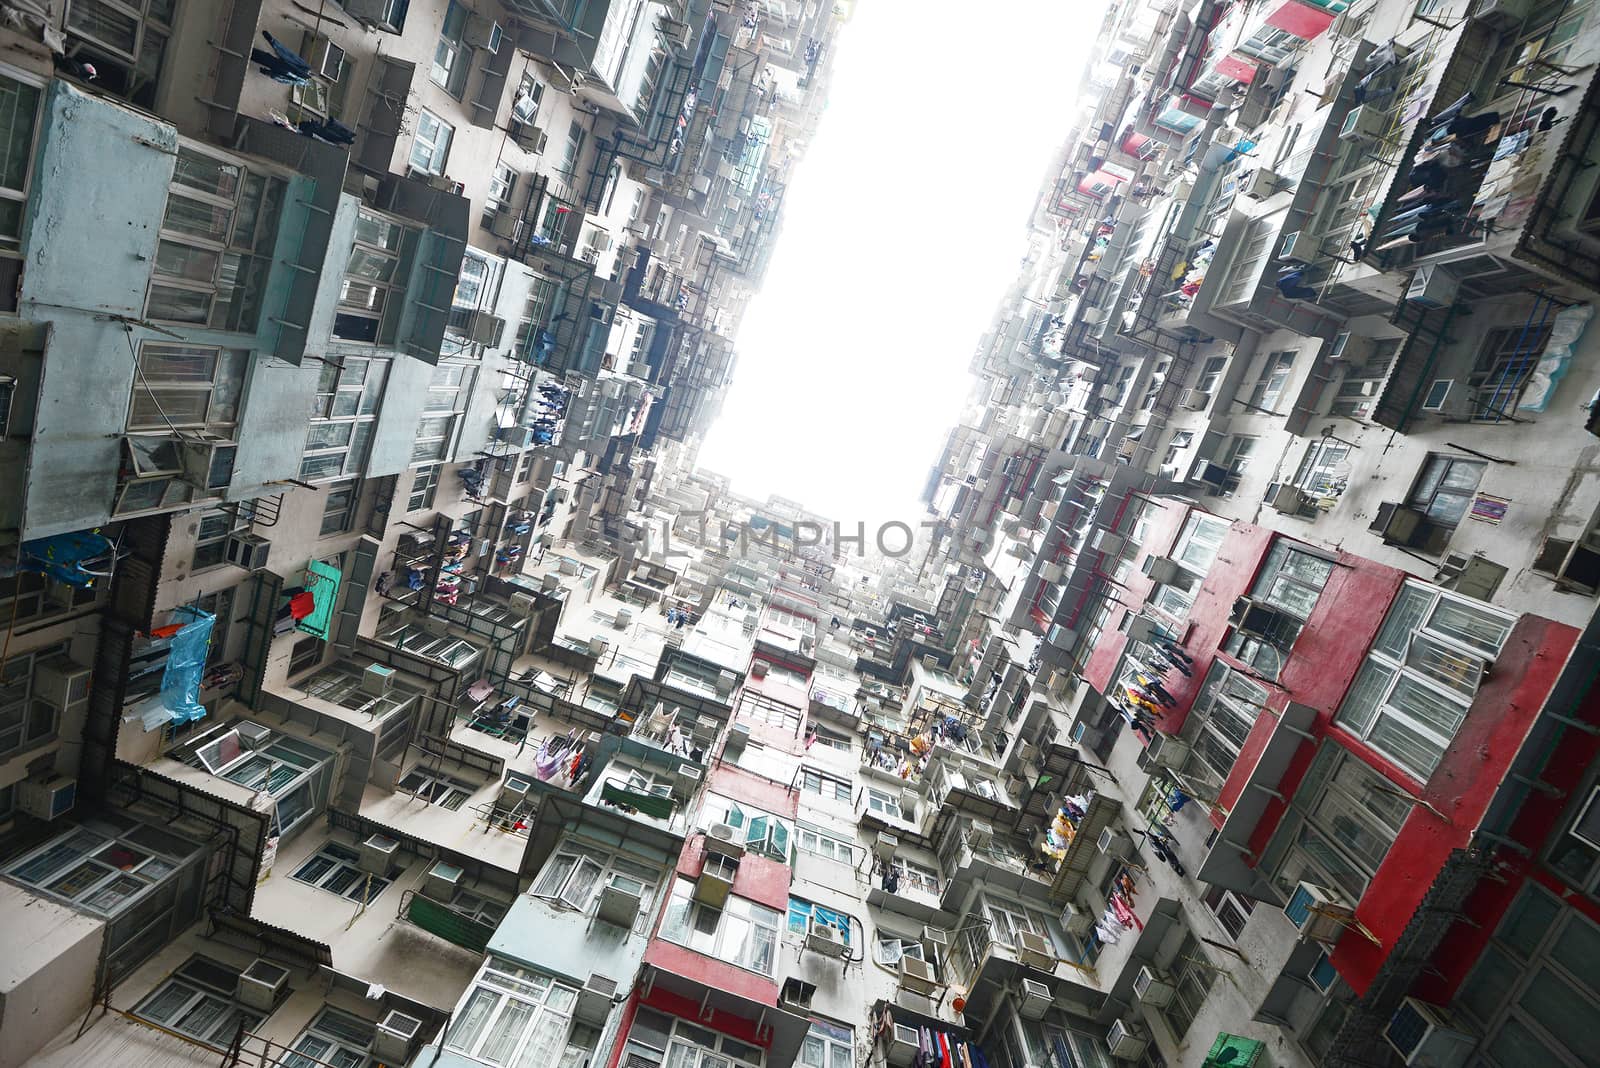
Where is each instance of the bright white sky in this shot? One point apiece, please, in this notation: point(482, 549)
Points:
point(902, 228)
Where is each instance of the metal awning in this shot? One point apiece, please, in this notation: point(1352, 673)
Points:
point(1227, 863)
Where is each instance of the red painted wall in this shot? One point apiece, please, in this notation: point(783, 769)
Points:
point(763, 793)
point(727, 1023)
point(1460, 789)
point(714, 973)
point(760, 879)
point(630, 1009)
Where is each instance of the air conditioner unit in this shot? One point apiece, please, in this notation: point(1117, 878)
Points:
point(935, 939)
point(376, 679)
point(1449, 397)
point(825, 938)
point(618, 905)
point(685, 780)
point(262, 984)
point(207, 463)
point(518, 437)
point(885, 846)
point(325, 57)
point(1432, 287)
point(1502, 15)
point(1426, 1036)
point(1285, 499)
point(1397, 523)
point(1034, 999)
point(979, 834)
point(47, 798)
point(1261, 184)
point(639, 369)
point(1351, 347)
point(600, 241)
point(595, 999)
point(248, 551)
point(1108, 541)
point(723, 840)
point(485, 329)
point(904, 1042)
point(1035, 951)
point(1209, 474)
point(1164, 570)
point(716, 879)
point(253, 736)
point(442, 882)
point(1114, 843)
point(393, 1037)
point(1363, 123)
point(61, 682)
point(738, 738)
point(378, 854)
point(530, 138)
point(1320, 913)
point(1076, 920)
point(1142, 629)
point(1287, 244)
point(1259, 619)
point(482, 32)
point(1170, 752)
point(1195, 400)
point(1126, 1041)
point(1152, 989)
point(909, 799)
point(514, 791)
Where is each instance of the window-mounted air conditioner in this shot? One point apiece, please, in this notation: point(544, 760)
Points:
point(1261, 184)
point(1126, 1041)
point(443, 881)
point(825, 938)
point(1285, 499)
point(248, 551)
point(1432, 287)
point(262, 984)
point(1450, 398)
point(599, 993)
point(376, 679)
point(1195, 400)
point(1351, 347)
point(206, 462)
point(903, 1042)
point(1035, 951)
point(723, 840)
point(378, 854)
point(514, 791)
point(482, 32)
point(1165, 570)
point(393, 1037)
point(618, 905)
point(1114, 843)
point(1076, 920)
point(1321, 914)
point(1363, 123)
point(325, 57)
point(485, 329)
point(1152, 989)
point(47, 798)
point(1501, 15)
point(1034, 999)
point(885, 846)
point(61, 682)
point(935, 939)
point(253, 736)
point(1426, 1036)
point(530, 138)
point(715, 879)
point(1397, 523)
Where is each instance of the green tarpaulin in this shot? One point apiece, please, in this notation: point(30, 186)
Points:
point(653, 805)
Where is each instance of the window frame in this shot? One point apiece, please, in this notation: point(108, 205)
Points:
point(340, 858)
point(223, 1027)
point(434, 147)
point(753, 929)
point(510, 985)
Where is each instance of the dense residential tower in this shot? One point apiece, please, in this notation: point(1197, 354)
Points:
point(386, 682)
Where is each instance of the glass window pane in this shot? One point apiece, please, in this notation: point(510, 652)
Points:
point(1469, 625)
point(1578, 949)
point(1405, 615)
point(1361, 704)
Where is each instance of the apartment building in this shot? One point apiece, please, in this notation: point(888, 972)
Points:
point(1273, 511)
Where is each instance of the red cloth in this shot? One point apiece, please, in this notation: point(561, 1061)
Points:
point(301, 605)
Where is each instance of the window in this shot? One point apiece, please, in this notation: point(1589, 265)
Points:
point(187, 386)
point(883, 804)
point(424, 486)
point(1445, 488)
point(1243, 271)
point(1192, 976)
point(574, 151)
point(501, 181)
point(525, 105)
point(1536, 987)
point(211, 539)
point(106, 869)
point(513, 1016)
point(1291, 580)
point(1227, 706)
point(126, 39)
point(1211, 374)
point(1231, 911)
point(343, 415)
point(430, 150)
point(215, 249)
point(451, 58)
point(578, 870)
point(437, 789)
point(334, 1038)
point(825, 844)
point(761, 831)
point(1341, 821)
point(1197, 547)
point(197, 1000)
point(802, 912)
point(338, 509)
point(742, 933)
point(656, 1038)
point(336, 869)
point(306, 654)
point(220, 604)
point(1235, 457)
point(889, 949)
point(374, 280)
point(19, 117)
point(827, 1045)
point(1421, 675)
point(915, 876)
point(828, 740)
point(295, 773)
point(756, 707)
point(816, 782)
point(1007, 920)
point(1325, 470)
